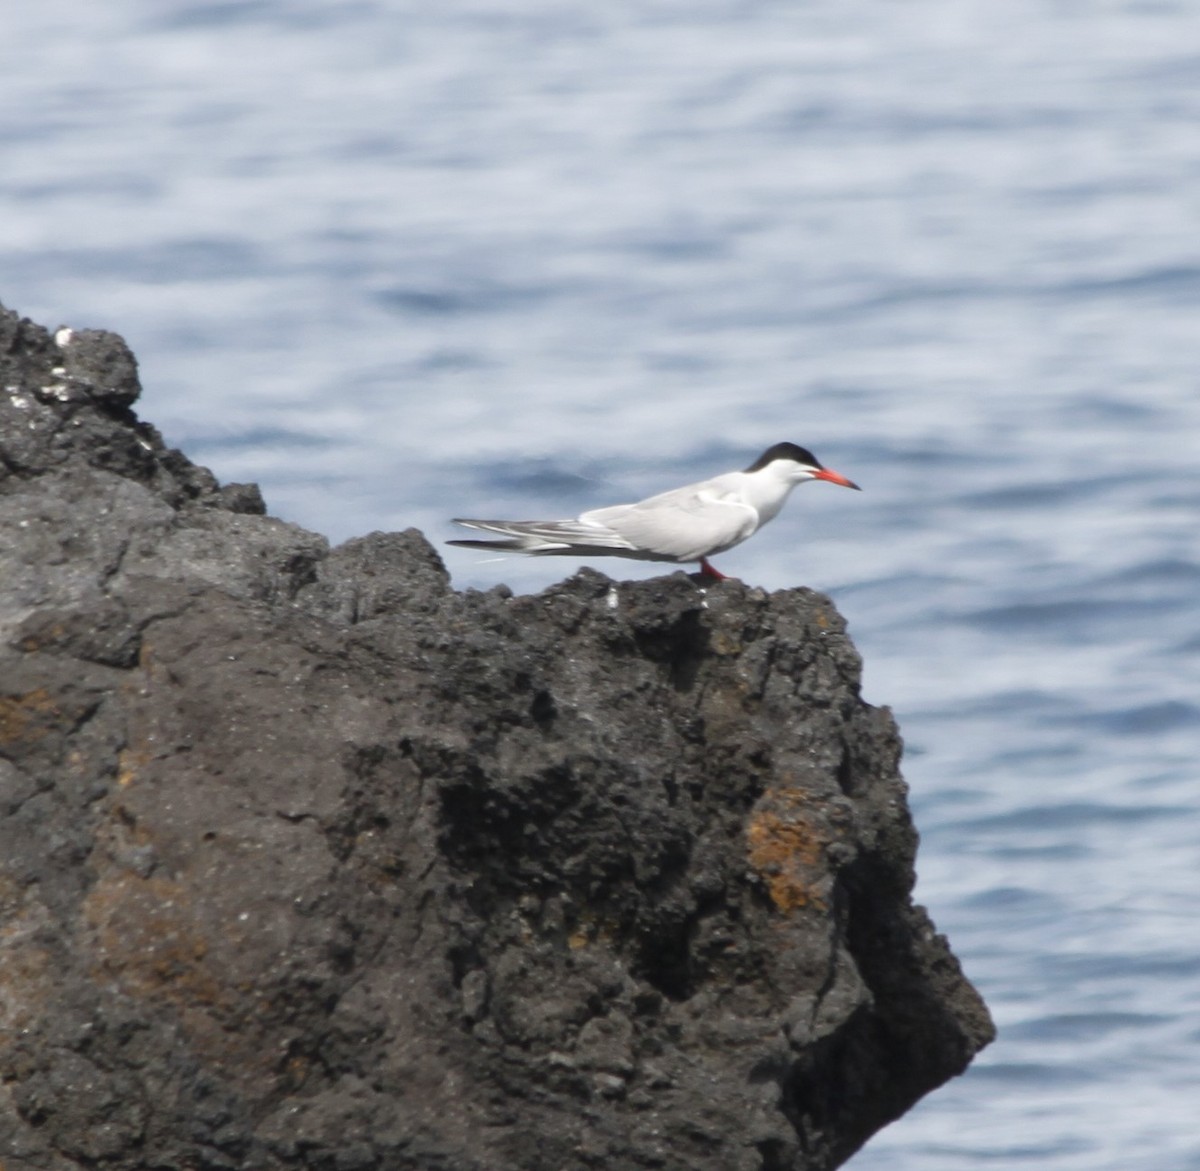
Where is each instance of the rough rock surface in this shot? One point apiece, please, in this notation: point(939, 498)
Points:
point(308, 861)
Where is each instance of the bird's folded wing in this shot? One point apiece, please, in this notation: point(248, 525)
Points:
point(686, 524)
point(534, 534)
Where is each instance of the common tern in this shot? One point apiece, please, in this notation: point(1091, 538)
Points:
point(692, 523)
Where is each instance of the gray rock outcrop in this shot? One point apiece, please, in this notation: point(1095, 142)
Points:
point(309, 861)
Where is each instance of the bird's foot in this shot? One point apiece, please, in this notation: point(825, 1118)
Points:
point(707, 570)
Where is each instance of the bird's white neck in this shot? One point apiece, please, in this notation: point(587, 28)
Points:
point(767, 490)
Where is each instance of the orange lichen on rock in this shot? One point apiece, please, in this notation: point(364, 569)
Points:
point(129, 763)
point(148, 937)
point(23, 718)
point(591, 929)
point(153, 938)
point(787, 851)
point(32, 643)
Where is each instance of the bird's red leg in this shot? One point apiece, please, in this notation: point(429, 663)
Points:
point(708, 571)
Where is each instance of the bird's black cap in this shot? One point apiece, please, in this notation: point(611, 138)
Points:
point(785, 451)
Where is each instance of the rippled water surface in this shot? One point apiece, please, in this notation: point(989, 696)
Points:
point(399, 262)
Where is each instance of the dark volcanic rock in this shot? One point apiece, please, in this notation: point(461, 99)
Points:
point(307, 860)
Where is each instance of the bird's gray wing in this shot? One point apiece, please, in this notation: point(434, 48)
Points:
point(685, 523)
point(545, 536)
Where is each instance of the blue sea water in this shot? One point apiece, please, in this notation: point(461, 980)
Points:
point(399, 262)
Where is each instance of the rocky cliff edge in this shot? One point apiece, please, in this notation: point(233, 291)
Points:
point(309, 861)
